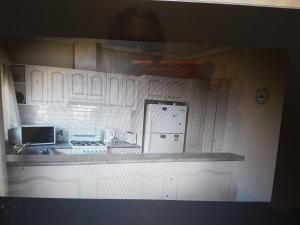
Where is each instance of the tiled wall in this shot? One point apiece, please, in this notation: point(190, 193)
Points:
point(78, 118)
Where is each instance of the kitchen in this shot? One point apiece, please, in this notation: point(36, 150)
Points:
point(174, 130)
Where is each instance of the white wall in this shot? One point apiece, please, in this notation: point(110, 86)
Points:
point(41, 52)
point(3, 171)
point(251, 129)
point(91, 118)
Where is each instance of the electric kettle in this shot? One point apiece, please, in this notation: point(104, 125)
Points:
point(109, 135)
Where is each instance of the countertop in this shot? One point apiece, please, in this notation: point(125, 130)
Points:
point(107, 158)
point(66, 145)
point(121, 145)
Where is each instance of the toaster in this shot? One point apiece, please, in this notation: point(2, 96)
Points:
point(131, 138)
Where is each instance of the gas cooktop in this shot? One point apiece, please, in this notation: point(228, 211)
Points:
point(87, 143)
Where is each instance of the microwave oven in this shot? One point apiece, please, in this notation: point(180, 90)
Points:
point(33, 134)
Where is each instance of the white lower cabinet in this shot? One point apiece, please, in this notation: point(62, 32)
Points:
point(204, 186)
point(170, 181)
point(170, 188)
point(130, 185)
point(43, 181)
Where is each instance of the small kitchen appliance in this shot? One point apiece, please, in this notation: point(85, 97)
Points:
point(109, 135)
point(130, 138)
point(32, 134)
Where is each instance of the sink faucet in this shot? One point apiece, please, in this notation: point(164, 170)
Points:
point(19, 148)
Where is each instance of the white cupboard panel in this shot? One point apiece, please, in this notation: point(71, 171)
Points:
point(165, 88)
point(204, 186)
point(170, 188)
point(114, 86)
point(210, 116)
point(197, 115)
point(221, 114)
point(122, 91)
point(57, 85)
point(36, 84)
point(176, 89)
point(78, 83)
point(97, 86)
point(130, 92)
point(41, 187)
point(130, 186)
point(43, 181)
point(155, 88)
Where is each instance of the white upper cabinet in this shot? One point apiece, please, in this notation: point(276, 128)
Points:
point(57, 85)
point(114, 89)
point(122, 91)
point(97, 86)
point(78, 84)
point(130, 92)
point(155, 88)
point(36, 84)
point(175, 89)
point(87, 85)
point(165, 88)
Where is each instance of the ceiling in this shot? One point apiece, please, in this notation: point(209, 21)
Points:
point(193, 23)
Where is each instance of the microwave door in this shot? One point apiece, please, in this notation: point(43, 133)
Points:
point(38, 135)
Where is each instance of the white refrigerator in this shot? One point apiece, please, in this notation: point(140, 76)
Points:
point(165, 128)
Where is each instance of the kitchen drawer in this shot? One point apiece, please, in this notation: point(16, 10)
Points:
point(125, 150)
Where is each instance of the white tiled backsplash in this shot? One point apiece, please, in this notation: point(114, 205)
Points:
point(79, 117)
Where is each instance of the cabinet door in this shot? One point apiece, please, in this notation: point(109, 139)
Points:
point(130, 92)
point(204, 186)
point(132, 185)
point(36, 84)
point(176, 89)
point(215, 117)
point(197, 115)
point(210, 116)
point(165, 88)
point(43, 181)
point(114, 88)
point(78, 84)
point(97, 86)
point(57, 85)
point(156, 88)
point(221, 113)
